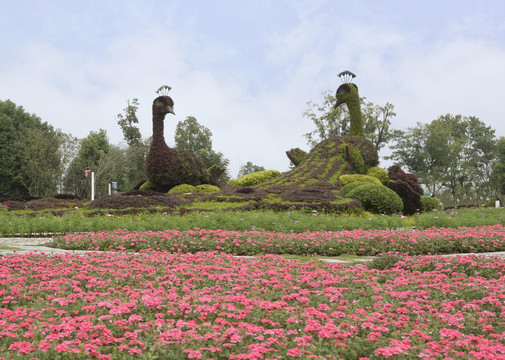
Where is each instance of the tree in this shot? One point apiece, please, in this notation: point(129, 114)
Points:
point(249, 168)
point(196, 138)
point(136, 152)
point(191, 136)
point(29, 153)
point(452, 153)
point(126, 121)
point(498, 174)
point(93, 155)
point(332, 121)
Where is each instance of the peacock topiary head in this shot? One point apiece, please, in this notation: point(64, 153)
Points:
point(163, 105)
point(346, 93)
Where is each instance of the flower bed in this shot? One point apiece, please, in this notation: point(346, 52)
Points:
point(116, 305)
point(360, 242)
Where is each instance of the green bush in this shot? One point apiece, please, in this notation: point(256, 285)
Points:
point(429, 203)
point(350, 178)
point(378, 199)
point(351, 186)
point(255, 178)
point(379, 173)
point(184, 188)
point(207, 188)
point(146, 186)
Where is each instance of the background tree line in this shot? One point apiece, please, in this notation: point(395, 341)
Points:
point(456, 158)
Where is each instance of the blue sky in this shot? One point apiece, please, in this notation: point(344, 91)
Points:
point(246, 69)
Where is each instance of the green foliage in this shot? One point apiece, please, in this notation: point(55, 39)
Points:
point(351, 186)
point(348, 94)
point(254, 178)
point(498, 175)
point(30, 153)
point(183, 188)
point(429, 203)
point(207, 188)
point(249, 168)
point(296, 156)
point(191, 136)
point(350, 178)
point(451, 154)
point(384, 261)
point(146, 186)
point(126, 121)
point(378, 199)
point(379, 173)
point(326, 162)
point(330, 121)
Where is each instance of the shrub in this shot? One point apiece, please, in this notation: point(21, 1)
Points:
point(207, 188)
point(351, 186)
point(377, 199)
point(255, 178)
point(411, 199)
point(146, 186)
point(350, 178)
point(379, 173)
point(183, 188)
point(429, 203)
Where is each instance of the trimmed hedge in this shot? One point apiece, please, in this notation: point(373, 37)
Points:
point(183, 188)
point(349, 187)
point(429, 203)
point(207, 188)
point(378, 199)
point(255, 178)
point(350, 178)
point(379, 173)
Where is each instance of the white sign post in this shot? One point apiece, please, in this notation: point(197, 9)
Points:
point(92, 185)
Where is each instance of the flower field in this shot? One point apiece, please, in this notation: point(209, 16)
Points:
point(211, 305)
point(360, 242)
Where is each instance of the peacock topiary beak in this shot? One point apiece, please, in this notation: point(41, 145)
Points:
point(170, 110)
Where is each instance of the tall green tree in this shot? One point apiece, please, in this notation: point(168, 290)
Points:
point(29, 153)
point(330, 121)
point(127, 120)
point(498, 174)
point(93, 155)
point(191, 136)
point(452, 153)
point(136, 152)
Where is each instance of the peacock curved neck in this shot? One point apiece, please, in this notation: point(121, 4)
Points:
point(354, 106)
point(158, 128)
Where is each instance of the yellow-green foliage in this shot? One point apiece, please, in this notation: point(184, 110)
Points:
point(207, 188)
point(350, 178)
point(146, 186)
point(430, 203)
point(184, 188)
point(379, 173)
point(253, 179)
point(378, 199)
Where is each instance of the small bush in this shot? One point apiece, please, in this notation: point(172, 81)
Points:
point(379, 173)
point(184, 188)
point(146, 186)
point(350, 178)
point(378, 199)
point(349, 187)
point(207, 188)
point(429, 203)
point(255, 178)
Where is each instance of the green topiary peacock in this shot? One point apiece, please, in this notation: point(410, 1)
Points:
point(347, 93)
